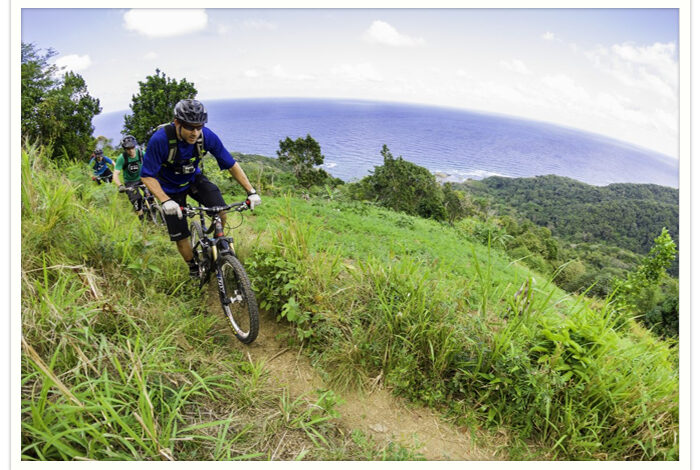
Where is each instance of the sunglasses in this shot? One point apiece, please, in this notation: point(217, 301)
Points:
point(191, 128)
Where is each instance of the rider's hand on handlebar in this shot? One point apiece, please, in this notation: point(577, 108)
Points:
point(253, 201)
point(121, 188)
point(171, 207)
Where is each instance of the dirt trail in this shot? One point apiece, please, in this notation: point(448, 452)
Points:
point(378, 413)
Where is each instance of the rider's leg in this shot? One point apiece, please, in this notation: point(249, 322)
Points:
point(180, 233)
point(185, 249)
point(135, 197)
point(183, 246)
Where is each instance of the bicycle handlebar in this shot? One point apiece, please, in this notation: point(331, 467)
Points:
point(191, 211)
point(135, 188)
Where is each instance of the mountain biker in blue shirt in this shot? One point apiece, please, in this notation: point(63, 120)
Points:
point(171, 171)
point(99, 165)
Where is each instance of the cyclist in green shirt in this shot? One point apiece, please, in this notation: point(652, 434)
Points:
point(129, 164)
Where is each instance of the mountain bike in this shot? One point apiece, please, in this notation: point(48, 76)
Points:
point(215, 254)
point(99, 179)
point(151, 206)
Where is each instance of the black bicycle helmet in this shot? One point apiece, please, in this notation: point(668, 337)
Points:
point(190, 112)
point(128, 142)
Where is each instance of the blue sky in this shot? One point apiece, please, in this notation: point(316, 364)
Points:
point(609, 71)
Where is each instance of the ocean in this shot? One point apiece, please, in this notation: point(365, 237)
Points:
point(454, 144)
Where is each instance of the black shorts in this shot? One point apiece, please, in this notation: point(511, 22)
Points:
point(105, 176)
point(204, 192)
point(135, 196)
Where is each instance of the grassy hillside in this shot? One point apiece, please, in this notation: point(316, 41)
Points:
point(121, 357)
point(121, 361)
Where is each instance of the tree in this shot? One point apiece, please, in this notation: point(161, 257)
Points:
point(641, 292)
point(456, 203)
point(405, 187)
point(37, 80)
point(76, 108)
point(56, 111)
point(154, 103)
point(303, 155)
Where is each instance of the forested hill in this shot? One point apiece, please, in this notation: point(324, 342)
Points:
point(626, 215)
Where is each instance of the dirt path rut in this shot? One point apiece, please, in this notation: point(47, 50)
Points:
point(379, 414)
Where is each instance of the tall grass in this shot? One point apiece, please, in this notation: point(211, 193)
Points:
point(121, 358)
point(410, 305)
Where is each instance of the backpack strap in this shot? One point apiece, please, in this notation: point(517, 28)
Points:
point(172, 142)
point(173, 152)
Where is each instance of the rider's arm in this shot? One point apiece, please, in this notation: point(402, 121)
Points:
point(226, 162)
point(155, 155)
point(154, 187)
point(118, 170)
point(240, 176)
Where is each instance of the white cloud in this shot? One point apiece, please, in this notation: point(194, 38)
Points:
point(658, 55)
point(223, 29)
point(461, 73)
point(383, 33)
point(668, 120)
point(280, 72)
point(73, 63)
point(150, 56)
point(260, 24)
point(161, 23)
point(357, 72)
point(547, 36)
point(251, 73)
point(566, 87)
point(643, 68)
point(516, 66)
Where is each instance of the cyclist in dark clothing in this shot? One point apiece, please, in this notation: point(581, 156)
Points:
point(100, 169)
point(171, 171)
point(129, 164)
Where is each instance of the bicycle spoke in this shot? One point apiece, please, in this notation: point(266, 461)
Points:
point(238, 299)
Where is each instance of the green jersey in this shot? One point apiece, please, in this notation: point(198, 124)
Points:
point(130, 167)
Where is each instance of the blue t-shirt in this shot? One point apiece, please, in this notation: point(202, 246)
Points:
point(157, 154)
point(98, 168)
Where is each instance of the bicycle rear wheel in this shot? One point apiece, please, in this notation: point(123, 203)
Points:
point(237, 299)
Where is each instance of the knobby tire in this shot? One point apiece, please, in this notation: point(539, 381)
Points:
point(197, 234)
point(242, 309)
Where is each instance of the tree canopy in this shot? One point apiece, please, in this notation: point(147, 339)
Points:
point(303, 154)
point(56, 109)
point(154, 103)
point(406, 187)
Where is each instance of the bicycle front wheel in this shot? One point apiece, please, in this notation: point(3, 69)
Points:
point(196, 237)
point(148, 210)
point(237, 299)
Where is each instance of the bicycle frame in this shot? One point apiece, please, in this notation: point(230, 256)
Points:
point(103, 179)
point(218, 244)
